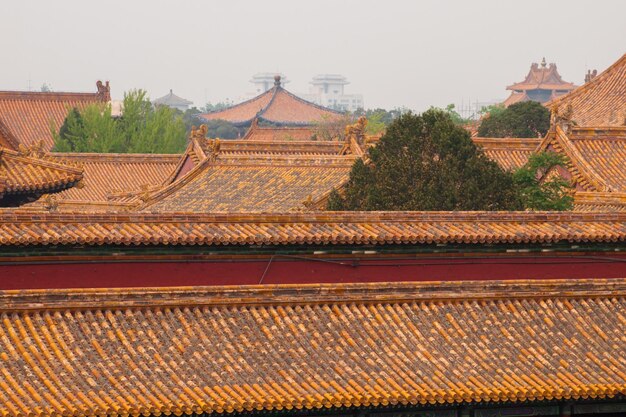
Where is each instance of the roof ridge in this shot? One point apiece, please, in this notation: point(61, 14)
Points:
point(580, 162)
point(113, 157)
point(14, 215)
point(45, 95)
point(590, 84)
point(250, 100)
point(308, 294)
point(309, 102)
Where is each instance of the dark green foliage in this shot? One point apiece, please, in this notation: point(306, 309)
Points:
point(539, 193)
point(223, 129)
point(141, 129)
point(427, 162)
point(528, 119)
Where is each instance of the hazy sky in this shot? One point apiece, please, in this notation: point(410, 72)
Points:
point(396, 53)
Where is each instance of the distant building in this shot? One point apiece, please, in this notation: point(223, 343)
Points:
point(543, 83)
point(276, 107)
point(173, 101)
point(328, 90)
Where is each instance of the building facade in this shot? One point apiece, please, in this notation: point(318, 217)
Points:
point(328, 90)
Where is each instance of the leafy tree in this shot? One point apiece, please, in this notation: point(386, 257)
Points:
point(541, 192)
point(492, 110)
point(221, 105)
point(331, 128)
point(45, 88)
point(455, 115)
point(528, 119)
point(426, 162)
point(142, 128)
point(223, 129)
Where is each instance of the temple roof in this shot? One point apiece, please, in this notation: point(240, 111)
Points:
point(544, 77)
point(252, 183)
point(595, 156)
point(276, 106)
point(29, 117)
point(120, 352)
point(509, 153)
point(108, 177)
point(275, 133)
point(599, 102)
point(172, 99)
point(22, 173)
point(309, 228)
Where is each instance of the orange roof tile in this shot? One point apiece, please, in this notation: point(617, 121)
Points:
point(274, 133)
point(595, 156)
point(599, 201)
point(601, 101)
point(236, 349)
point(252, 183)
point(314, 228)
point(542, 78)
point(25, 174)
point(276, 106)
point(28, 117)
point(509, 153)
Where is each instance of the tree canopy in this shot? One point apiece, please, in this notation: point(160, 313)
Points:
point(427, 162)
point(538, 189)
point(527, 119)
point(143, 128)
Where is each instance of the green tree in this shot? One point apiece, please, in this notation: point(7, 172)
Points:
point(528, 119)
point(427, 162)
point(221, 105)
point(223, 129)
point(142, 128)
point(541, 192)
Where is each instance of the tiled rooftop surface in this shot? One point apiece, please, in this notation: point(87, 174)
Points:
point(277, 106)
point(509, 153)
point(28, 117)
point(310, 228)
point(601, 101)
point(225, 349)
point(24, 174)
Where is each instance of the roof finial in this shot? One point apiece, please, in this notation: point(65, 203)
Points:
point(543, 62)
point(277, 80)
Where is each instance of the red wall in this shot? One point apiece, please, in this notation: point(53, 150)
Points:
point(241, 272)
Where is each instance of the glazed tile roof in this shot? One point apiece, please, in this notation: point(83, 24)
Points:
point(595, 156)
point(542, 77)
point(172, 99)
point(601, 101)
point(26, 174)
point(515, 97)
point(27, 117)
point(273, 133)
point(276, 106)
point(232, 148)
point(252, 183)
point(310, 228)
point(234, 349)
point(509, 153)
point(599, 201)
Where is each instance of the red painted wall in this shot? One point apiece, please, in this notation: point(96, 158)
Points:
point(241, 272)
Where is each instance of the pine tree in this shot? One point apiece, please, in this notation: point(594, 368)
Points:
point(427, 162)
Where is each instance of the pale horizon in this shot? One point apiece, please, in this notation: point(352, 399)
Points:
point(396, 54)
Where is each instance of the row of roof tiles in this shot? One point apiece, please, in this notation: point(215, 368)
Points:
point(328, 228)
point(219, 350)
